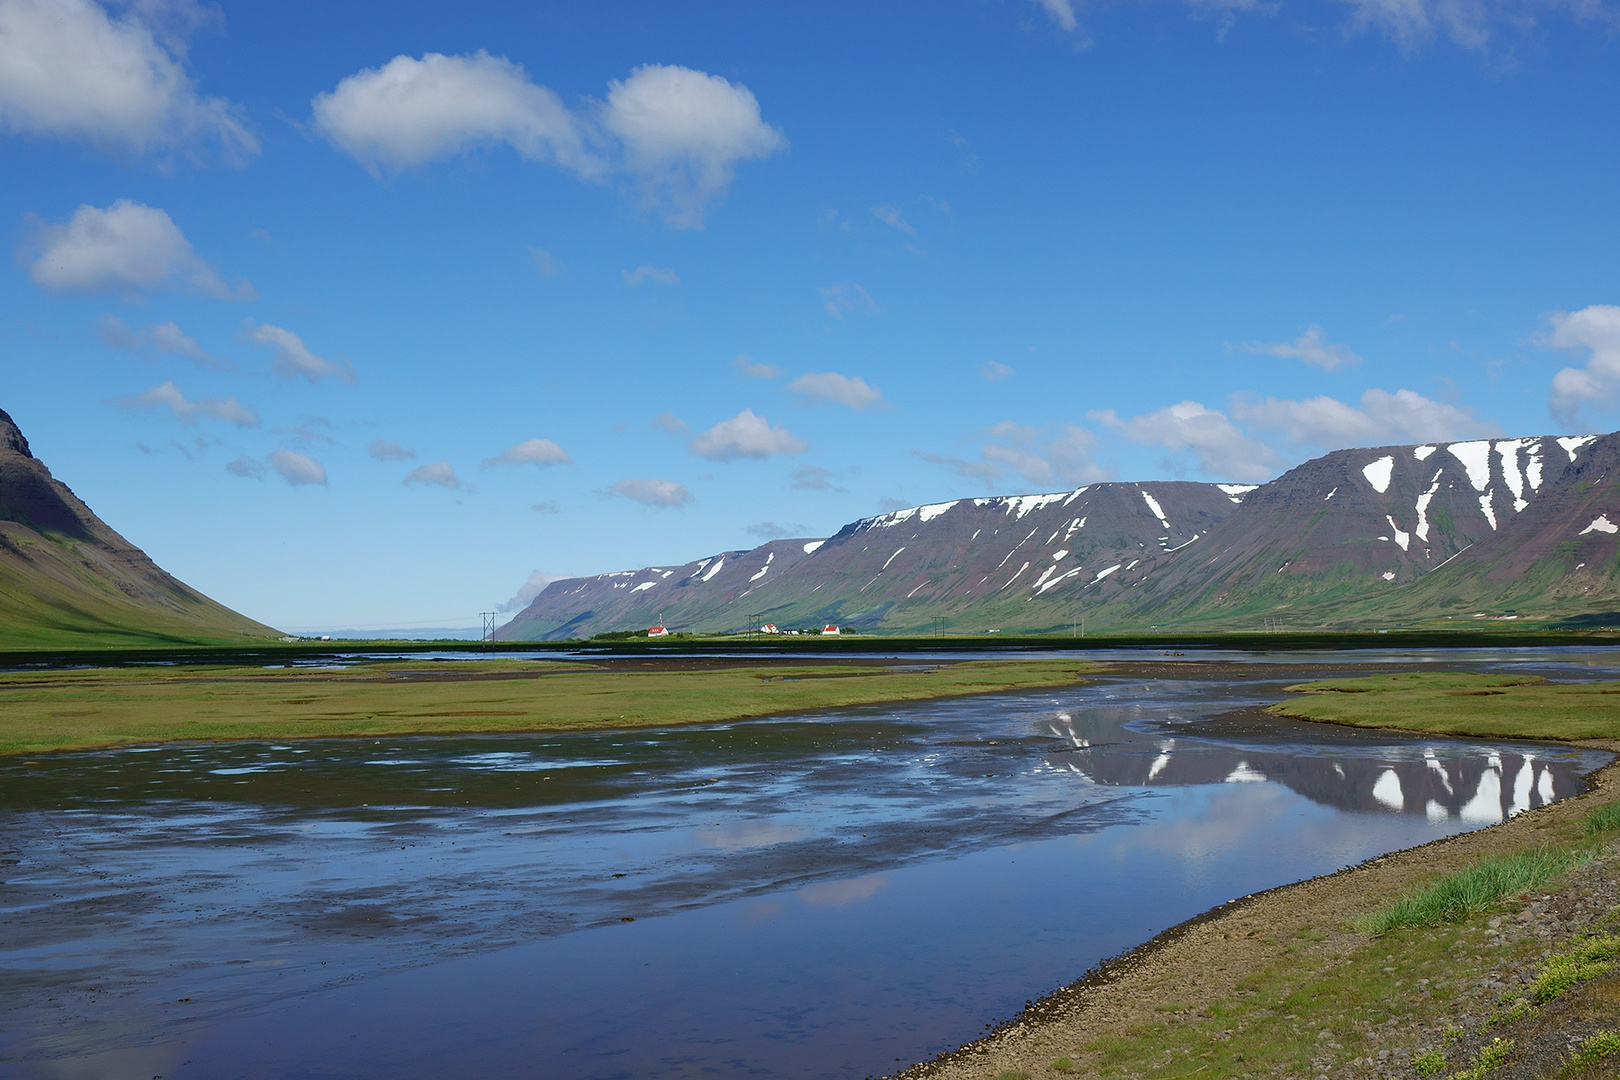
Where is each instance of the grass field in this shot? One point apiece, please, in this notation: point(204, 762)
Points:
point(60, 710)
point(1480, 706)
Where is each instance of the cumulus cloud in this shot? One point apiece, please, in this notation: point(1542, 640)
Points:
point(850, 390)
point(894, 219)
point(1382, 419)
point(124, 249)
point(1062, 12)
point(70, 69)
point(409, 112)
point(671, 423)
point(439, 473)
point(384, 450)
point(658, 275)
point(293, 357)
point(533, 587)
point(746, 435)
point(748, 367)
point(164, 337)
point(677, 133)
point(847, 298)
point(297, 469)
point(1041, 456)
point(168, 396)
point(650, 492)
point(683, 133)
point(1220, 446)
point(531, 452)
point(1595, 330)
point(995, 370)
point(1311, 347)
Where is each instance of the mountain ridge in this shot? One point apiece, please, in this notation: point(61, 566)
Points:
point(1341, 540)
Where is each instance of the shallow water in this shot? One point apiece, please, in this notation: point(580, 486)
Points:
point(834, 895)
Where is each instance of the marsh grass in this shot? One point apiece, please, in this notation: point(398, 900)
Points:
point(1605, 819)
point(59, 710)
point(1472, 889)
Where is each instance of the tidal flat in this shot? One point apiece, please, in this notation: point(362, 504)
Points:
point(836, 892)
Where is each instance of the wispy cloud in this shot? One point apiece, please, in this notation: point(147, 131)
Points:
point(293, 357)
point(748, 367)
point(847, 298)
point(658, 275)
point(297, 469)
point(851, 390)
point(168, 396)
point(164, 337)
point(438, 474)
point(531, 452)
point(995, 370)
point(651, 492)
point(1311, 347)
point(746, 435)
point(384, 450)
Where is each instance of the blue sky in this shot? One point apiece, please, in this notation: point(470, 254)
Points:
point(364, 315)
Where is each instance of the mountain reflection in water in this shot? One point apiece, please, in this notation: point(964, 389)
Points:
point(1440, 779)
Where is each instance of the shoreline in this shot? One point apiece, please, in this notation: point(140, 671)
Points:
point(1203, 961)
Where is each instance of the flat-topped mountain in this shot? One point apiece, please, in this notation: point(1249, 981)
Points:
point(67, 579)
point(1352, 539)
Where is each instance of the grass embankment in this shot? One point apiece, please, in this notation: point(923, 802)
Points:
point(1492, 955)
point(1477, 706)
point(59, 710)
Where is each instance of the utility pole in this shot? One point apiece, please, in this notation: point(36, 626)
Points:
point(489, 625)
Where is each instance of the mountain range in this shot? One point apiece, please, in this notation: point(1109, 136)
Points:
point(1372, 538)
point(68, 580)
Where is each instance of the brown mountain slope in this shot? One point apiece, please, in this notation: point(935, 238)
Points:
point(67, 580)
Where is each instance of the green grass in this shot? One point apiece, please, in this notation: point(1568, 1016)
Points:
point(1490, 1058)
point(58, 710)
point(1472, 889)
point(1481, 706)
point(1594, 1051)
point(1429, 1064)
point(1588, 960)
point(1604, 820)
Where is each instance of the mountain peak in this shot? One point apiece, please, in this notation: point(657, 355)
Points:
point(11, 436)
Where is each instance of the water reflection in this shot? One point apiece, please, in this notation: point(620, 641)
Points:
point(921, 848)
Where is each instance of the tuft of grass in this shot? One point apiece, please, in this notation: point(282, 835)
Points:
point(1471, 889)
point(1588, 960)
point(1517, 1011)
point(1596, 1049)
point(1009, 1075)
point(1064, 1064)
point(1603, 820)
point(1429, 1064)
point(1489, 1059)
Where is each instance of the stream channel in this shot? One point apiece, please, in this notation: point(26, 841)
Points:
point(829, 895)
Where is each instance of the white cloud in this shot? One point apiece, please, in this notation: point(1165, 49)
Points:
point(1595, 329)
point(746, 435)
point(845, 298)
point(533, 587)
point(892, 217)
point(384, 450)
point(293, 357)
point(164, 337)
point(1413, 23)
point(1062, 12)
point(994, 370)
point(677, 132)
point(651, 492)
point(658, 275)
point(531, 452)
point(543, 262)
point(748, 367)
point(168, 396)
point(439, 473)
point(1382, 419)
point(850, 390)
point(683, 133)
point(69, 69)
point(1038, 455)
point(671, 423)
point(123, 249)
point(245, 467)
point(1222, 449)
point(408, 112)
point(814, 478)
point(1312, 347)
point(297, 469)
